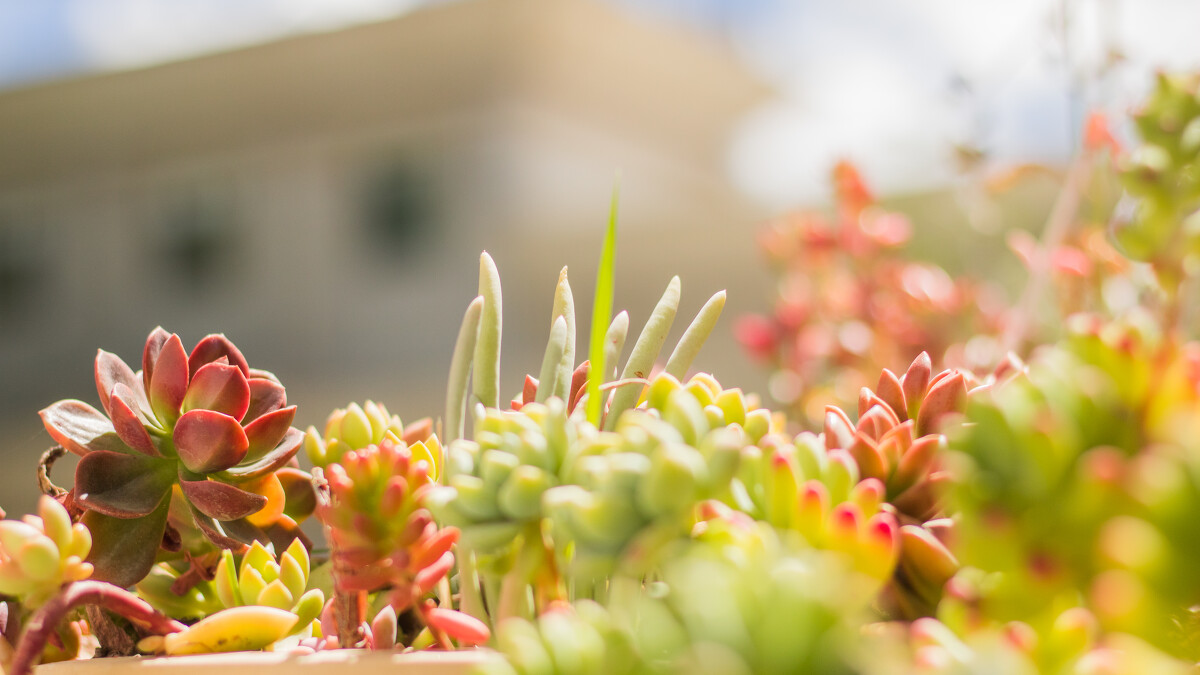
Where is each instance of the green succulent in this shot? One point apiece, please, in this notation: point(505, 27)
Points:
point(714, 608)
point(39, 554)
point(355, 427)
point(1082, 479)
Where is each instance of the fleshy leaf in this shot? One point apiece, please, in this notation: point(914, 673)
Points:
point(266, 395)
point(220, 387)
point(80, 428)
point(110, 371)
point(221, 501)
point(121, 485)
point(209, 441)
point(267, 431)
point(123, 550)
point(213, 347)
point(128, 421)
point(272, 461)
point(232, 534)
point(168, 381)
point(154, 344)
point(300, 497)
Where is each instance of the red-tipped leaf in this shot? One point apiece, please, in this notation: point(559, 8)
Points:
point(274, 460)
point(168, 382)
point(220, 387)
point(128, 421)
point(154, 344)
point(209, 441)
point(265, 433)
point(110, 371)
point(891, 392)
point(265, 396)
point(221, 501)
point(212, 348)
point(915, 381)
point(80, 428)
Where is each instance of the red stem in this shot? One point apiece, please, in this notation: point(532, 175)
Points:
point(117, 600)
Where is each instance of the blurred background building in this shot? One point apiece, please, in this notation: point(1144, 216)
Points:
point(323, 199)
point(316, 178)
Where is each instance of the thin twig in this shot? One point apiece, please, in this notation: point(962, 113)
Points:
point(48, 459)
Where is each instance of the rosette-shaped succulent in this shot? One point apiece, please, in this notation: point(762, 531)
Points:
point(39, 554)
point(191, 443)
point(355, 427)
point(270, 601)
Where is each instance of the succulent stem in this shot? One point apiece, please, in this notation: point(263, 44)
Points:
point(460, 369)
point(115, 599)
point(471, 598)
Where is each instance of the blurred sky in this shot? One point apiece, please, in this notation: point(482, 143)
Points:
point(891, 84)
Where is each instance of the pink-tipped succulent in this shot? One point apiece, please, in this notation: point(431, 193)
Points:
point(383, 537)
point(190, 444)
point(897, 438)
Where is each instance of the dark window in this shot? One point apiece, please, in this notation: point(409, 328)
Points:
point(397, 207)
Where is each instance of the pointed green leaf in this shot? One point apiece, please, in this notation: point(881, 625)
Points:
point(601, 312)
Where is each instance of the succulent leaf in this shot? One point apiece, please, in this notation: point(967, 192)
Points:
point(120, 552)
point(221, 501)
point(209, 441)
point(80, 428)
point(120, 485)
point(219, 387)
point(169, 381)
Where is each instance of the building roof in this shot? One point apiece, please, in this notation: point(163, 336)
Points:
point(585, 57)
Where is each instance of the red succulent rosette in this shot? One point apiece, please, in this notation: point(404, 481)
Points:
point(194, 442)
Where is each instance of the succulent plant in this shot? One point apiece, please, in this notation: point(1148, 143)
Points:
point(355, 427)
point(714, 608)
point(190, 444)
point(383, 538)
point(850, 303)
point(1080, 478)
point(249, 605)
point(495, 482)
point(44, 578)
point(39, 554)
point(1068, 643)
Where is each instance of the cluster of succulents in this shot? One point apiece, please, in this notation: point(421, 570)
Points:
point(849, 302)
point(619, 517)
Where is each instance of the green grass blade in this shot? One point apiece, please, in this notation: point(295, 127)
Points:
point(602, 313)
